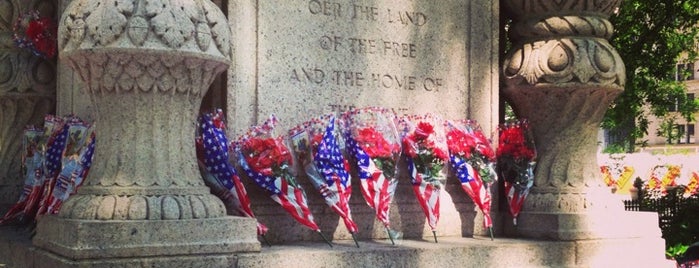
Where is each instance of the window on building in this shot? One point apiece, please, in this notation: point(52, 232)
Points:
point(674, 106)
point(690, 134)
point(680, 133)
point(685, 133)
point(684, 71)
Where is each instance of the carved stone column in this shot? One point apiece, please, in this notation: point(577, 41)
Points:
point(146, 65)
point(562, 74)
point(27, 93)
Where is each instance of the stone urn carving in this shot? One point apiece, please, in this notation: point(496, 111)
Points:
point(146, 66)
point(562, 74)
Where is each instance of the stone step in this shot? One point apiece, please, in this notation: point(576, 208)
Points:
point(16, 250)
point(459, 252)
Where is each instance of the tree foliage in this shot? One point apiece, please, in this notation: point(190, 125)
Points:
point(650, 36)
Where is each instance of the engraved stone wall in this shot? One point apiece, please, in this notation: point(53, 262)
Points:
point(307, 57)
point(303, 58)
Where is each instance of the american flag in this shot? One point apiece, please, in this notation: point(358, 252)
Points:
point(473, 185)
point(214, 145)
point(515, 199)
point(427, 195)
point(34, 173)
point(289, 195)
point(292, 199)
point(64, 186)
point(333, 167)
point(74, 164)
point(55, 147)
point(269, 183)
point(72, 175)
point(86, 161)
point(54, 153)
point(65, 181)
point(376, 188)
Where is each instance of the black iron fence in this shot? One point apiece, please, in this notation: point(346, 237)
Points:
point(667, 208)
point(678, 215)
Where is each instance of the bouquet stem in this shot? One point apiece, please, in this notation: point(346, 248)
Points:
point(325, 239)
point(490, 229)
point(434, 233)
point(264, 238)
point(390, 236)
point(354, 237)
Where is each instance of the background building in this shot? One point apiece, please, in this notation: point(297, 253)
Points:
point(683, 131)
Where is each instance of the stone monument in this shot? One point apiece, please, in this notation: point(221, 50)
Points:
point(147, 63)
point(303, 58)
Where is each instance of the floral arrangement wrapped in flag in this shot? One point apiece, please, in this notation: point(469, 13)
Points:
point(33, 154)
point(217, 170)
point(56, 132)
point(35, 33)
point(76, 164)
point(472, 159)
point(516, 161)
point(56, 161)
point(63, 148)
point(426, 153)
point(266, 159)
point(316, 146)
point(372, 141)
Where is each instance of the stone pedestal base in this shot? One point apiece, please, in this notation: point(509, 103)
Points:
point(162, 243)
point(16, 251)
point(44, 258)
point(586, 226)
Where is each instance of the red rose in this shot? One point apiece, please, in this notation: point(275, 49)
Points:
point(315, 142)
point(264, 154)
point(374, 144)
point(423, 130)
point(409, 146)
point(514, 144)
point(459, 143)
point(441, 154)
point(40, 33)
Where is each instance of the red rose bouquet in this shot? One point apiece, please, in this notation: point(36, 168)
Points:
point(36, 33)
point(267, 160)
point(426, 153)
point(55, 162)
point(316, 146)
point(516, 161)
point(218, 172)
point(373, 143)
point(76, 164)
point(33, 157)
point(68, 160)
point(472, 160)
